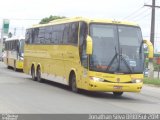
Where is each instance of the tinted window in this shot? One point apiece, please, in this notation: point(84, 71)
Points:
point(66, 34)
point(28, 38)
point(82, 43)
point(55, 33)
point(83, 33)
point(73, 33)
point(53, 39)
point(33, 36)
point(60, 33)
point(48, 34)
point(41, 35)
point(56, 30)
point(129, 36)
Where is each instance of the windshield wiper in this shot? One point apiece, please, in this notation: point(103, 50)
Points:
point(125, 62)
point(120, 57)
point(111, 62)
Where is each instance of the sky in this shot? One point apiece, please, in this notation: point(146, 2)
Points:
point(24, 13)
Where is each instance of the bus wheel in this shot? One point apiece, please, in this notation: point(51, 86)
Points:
point(33, 73)
point(73, 84)
point(15, 69)
point(117, 94)
point(39, 79)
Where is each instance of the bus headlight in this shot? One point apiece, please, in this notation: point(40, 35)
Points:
point(97, 79)
point(137, 80)
point(21, 58)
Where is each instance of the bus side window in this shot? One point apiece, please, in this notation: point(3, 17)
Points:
point(36, 33)
point(28, 36)
point(82, 44)
point(66, 34)
point(48, 34)
point(17, 46)
point(55, 35)
point(73, 33)
point(61, 29)
point(40, 35)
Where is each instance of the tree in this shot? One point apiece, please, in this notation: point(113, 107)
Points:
point(50, 18)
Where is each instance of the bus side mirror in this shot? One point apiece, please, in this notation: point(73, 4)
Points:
point(89, 45)
point(150, 48)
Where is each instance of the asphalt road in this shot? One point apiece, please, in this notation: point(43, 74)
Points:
point(19, 94)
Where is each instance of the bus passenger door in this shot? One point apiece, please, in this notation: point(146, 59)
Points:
point(83, 55)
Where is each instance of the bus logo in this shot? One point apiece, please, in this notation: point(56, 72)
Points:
point(118, 80)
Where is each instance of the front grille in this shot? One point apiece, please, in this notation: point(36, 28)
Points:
point(116, 82)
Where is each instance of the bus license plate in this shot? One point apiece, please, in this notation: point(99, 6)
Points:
point(117, 87)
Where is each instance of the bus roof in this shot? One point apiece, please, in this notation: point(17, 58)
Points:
point(15, 38)
point(88, 20)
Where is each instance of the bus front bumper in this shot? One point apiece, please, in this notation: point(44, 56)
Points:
point(19, 64)
point(114, 87)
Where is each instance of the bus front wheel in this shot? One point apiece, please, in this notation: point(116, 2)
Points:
point(117, 94)
point(15, 68)
point(73, 83)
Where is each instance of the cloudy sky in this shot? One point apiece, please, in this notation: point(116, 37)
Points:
point(25, 13)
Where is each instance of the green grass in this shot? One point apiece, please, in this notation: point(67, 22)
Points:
point(152, 81)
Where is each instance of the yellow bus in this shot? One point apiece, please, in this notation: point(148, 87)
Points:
point(13, 52)
point(89, 54)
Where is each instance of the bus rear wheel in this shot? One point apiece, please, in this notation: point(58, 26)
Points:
point(117, 94)
point(8, 67)
point(15, 68)
point(33, 73)
point(39, 79)
point(73, 83)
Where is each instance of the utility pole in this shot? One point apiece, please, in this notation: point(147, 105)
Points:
point(152, 23)
point(152, 34)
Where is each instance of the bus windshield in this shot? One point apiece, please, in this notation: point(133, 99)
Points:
point(116, 49)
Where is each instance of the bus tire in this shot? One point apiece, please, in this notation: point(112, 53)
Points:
point(15, 69)
point(8, 67)
point(73, 83)
point(39, 78)
point(117, 94)
point(33, 73)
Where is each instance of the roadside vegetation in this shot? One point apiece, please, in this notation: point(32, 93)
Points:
point(50, 18)
point(152, 81)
